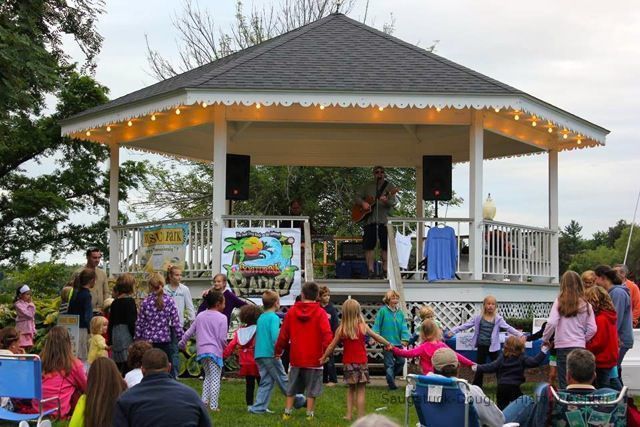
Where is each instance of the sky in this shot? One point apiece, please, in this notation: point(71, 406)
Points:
point(582, 57)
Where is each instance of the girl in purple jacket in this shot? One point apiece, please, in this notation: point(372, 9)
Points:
point(486, 333)
point(231, 300)
point(210, 329)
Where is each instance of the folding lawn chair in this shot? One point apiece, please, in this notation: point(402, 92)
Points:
point(440, 401)
point(576, 410)
point(21, 378)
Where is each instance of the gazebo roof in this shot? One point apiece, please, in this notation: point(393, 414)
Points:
point(338, 62)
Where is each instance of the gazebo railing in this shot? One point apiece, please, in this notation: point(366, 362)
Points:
point(198, 251)
point(517, 252)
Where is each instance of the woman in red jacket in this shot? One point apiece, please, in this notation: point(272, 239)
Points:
point(604, 344)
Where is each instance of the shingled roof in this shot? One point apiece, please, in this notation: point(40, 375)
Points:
point(335, 53)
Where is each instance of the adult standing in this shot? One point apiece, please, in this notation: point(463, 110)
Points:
point(158, 321)
point(122, 321)
point(572, 319)
point(378, 198)
point(634, 292)
point(100, 289)
point(611, 281)
point(158, 400)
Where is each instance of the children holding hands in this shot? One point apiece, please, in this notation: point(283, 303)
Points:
point(392, 325)
point(486, 335)
point(352, 332)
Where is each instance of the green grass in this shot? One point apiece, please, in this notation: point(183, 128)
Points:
point(330, 406)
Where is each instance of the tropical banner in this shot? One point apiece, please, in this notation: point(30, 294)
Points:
point(257, 259)
point(164, 245)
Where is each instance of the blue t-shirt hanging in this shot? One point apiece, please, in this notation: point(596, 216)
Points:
point(441, 253)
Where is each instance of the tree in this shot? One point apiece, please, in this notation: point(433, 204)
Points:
point(609, 237)
point(35, 208)
point(570, 243)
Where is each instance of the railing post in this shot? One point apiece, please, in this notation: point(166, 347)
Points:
point(393, 269)
point(114, 238)
point(476, 155)
point(308, 253)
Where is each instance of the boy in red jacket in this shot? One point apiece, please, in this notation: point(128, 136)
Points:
point(307, 331)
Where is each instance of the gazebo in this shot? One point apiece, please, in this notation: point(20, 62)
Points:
point(337, 92)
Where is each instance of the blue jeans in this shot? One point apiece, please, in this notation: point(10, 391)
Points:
point(392, 367)
point(518, 410)
point(171, 350)
point(271, 374)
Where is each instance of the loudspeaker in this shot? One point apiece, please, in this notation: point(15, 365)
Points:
point(238, 170)
point(436, 177)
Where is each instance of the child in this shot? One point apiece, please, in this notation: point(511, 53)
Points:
point(104, 386)
point(25, 316)
point(307, 331)
point(425, 312)
point(134, 361)
point(269, 367)
point(431, 340)
point(604, 344)
point(65, 296)
point(391, 324)
point(509, 367)
point(158, 321)
point(231, 300)
point(210, 328)
point(80, 304)
point(10, 341)
point(122, 320)
point(245, 339)
point(329, 375)
point(181, 294)
point(486, 333)
point(352, 332)
point(571, 319)
point(97, 343)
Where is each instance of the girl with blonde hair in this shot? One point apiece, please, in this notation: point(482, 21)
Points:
point(158, 320)
point(352, 331)
point(97, 344)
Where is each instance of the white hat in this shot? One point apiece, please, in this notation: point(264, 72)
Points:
point(24, 289)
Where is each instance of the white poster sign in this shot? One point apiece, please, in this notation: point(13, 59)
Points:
point(72, 323)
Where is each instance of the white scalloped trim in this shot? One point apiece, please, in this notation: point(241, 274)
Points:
point(543, 112)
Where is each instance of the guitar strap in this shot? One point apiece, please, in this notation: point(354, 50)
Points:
point(381, 189)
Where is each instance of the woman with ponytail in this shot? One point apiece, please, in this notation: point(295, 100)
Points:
point(158, 320)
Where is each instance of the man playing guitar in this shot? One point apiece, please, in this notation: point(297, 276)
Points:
point(377, 197)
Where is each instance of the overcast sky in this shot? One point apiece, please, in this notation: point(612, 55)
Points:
point(580, 56)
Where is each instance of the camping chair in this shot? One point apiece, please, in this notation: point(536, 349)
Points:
point(21, 378)
point(576, 410)
point(440, 401)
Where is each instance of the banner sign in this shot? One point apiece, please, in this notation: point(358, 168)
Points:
point(257, 259)
point(164, 245)
point(72, 323)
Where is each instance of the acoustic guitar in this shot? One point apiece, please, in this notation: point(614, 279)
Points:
point(359, 214)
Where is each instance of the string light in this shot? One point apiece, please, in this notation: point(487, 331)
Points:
point(579, 141)
point(534, 123)
point(322, 107)
point(177, 111)
point(380, 108)
point(129, 123)
point(204, 105)
point(497, 110)
point(108, 128)
point(550, 130)
point(258, 105)
point(88, 133)
point(153, 118)
point(438, 109)
point(565, 136)
point(516, 117)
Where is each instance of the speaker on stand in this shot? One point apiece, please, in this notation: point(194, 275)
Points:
point(436, 179)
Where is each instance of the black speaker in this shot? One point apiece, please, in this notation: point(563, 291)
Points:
point(436, 177)
point(238, 170)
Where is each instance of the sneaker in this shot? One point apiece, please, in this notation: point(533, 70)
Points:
point(310, 417)
point(393, 387)
point(286, 417)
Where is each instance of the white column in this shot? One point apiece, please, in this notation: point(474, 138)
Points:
point(114, 241)
point(476, 155)
point(419, 212)
point(219, 183)
point(553, 214)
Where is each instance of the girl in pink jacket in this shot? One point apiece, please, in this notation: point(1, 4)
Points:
point(431, 337)
point(25, 317)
